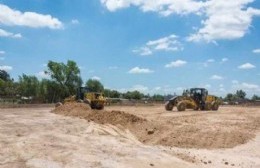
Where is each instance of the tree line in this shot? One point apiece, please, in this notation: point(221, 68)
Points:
point(240, 95)
point(64, 79)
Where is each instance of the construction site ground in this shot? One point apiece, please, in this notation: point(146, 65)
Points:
point(129, 136)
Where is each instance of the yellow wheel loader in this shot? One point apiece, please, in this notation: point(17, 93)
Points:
point(96, 100)
point(196, 99)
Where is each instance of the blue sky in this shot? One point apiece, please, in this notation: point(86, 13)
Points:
point(151, 46)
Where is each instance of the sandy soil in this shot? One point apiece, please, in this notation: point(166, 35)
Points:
point(37, 138)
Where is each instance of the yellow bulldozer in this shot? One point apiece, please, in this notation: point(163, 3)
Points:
point(196, 99)
point(96, 100)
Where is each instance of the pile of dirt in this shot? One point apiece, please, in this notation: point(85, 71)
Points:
point(191, 131)
point(192, 137)
point(197, 131)
point(99, 116)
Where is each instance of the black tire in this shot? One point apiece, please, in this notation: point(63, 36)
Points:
point(168, 106)
point(100, 107)
point(207, 106)
point(196, 108)
point(93, 106)
point(181, 106)
point(215, 106)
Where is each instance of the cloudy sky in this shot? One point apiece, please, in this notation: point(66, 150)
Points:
point(155, 46)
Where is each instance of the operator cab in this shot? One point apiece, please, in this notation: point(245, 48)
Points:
point(81, 93)
point(199, 94)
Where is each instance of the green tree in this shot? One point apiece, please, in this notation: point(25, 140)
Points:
point(255, 97)
point(28, 85)
point(133, 95)
point(67, 76)
point(95, 85)
point(158, 97)
point(8, 88)
point(229, 97)
point(241, 94)
point(51, 90)
point(4, 75)
point(112, 93)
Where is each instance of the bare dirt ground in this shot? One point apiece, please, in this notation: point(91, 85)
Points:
point(140, 137)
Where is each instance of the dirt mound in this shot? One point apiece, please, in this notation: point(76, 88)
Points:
point(192, 137)
point(193, 131)
point(114, 117)
point(99, 116)
point(72, 109)
point(200, 131)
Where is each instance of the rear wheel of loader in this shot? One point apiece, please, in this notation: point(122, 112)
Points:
point(100, 107)
point(215, 106)
point(169, 106)
point(196, 108)
point(207, 106)
point(93, 105)
point(181, 106)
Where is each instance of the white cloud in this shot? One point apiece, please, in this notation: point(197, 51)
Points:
point(157, 88)
point(12, 17)
point(4, 33)
point(6, 67)
point(224, 60)
point(210, 60)
point(249, 86)
point(164, 7)
point(44, 65)
point(235, 82)
point(222, 89)
point(207, 86)
point(137, 70)
point(1, 55)
point(256, 51)
point(246, 66)
point(179, 88)
point(96, 78)
point(169, 43)
point(140, 88)
point(226, 20)
point(143, 51)
point(176, 64)
point(74, 21)
point(82, 67)
point(42, 74)
point(216, 77)
point(246, 86)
